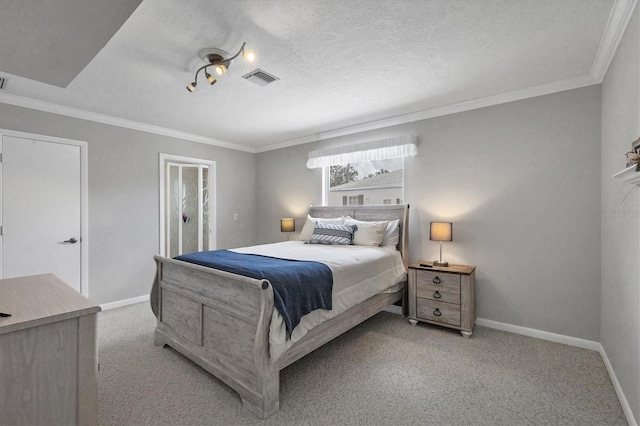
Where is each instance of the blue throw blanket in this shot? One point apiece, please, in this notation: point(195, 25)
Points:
point(299, 287)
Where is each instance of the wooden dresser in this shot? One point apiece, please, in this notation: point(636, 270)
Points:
point(48, 353)
point(443, 296)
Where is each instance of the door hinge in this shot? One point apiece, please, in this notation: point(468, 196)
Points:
point(1, 231)
point(0, 157)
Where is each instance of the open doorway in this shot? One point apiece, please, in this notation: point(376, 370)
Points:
point(187, 205)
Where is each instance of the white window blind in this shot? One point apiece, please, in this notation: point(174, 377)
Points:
point(382, 149)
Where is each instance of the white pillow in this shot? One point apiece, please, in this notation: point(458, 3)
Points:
point(368, 233)
point(307, 229)
point(392, 234)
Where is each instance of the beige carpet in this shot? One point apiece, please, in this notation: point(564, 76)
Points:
point(383, 372)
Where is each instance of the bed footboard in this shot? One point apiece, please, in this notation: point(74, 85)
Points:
point(221, 322)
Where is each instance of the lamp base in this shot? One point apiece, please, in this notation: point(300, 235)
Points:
point(440, 263)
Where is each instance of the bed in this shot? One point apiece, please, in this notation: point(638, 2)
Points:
point(224, 321)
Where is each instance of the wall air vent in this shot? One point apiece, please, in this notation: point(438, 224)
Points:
point(259, 77)
point(3, 83)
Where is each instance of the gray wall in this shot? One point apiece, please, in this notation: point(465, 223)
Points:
point(620, 323)
point(285, 188)
point(124, 196)
point(520, 182)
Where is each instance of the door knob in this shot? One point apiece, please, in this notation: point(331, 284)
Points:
point(71, 241)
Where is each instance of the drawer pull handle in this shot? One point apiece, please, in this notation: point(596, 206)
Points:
point(437, 280)
point(437, 312)
point(437, 295)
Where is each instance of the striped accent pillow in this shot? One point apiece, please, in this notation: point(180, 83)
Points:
point(327, 233)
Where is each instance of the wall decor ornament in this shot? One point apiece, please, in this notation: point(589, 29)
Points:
point(633, 156)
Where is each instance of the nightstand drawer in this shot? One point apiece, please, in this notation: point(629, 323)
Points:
point(447, 286)
point(446, 313)
point(439, 293)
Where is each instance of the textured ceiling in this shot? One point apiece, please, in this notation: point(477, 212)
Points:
point(52, 41)
point(340, 63)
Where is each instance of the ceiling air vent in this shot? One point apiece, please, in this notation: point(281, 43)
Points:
point(3, 83)
point(259, 77)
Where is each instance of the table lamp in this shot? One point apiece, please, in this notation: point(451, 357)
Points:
point(287, 224)
point(441, 231)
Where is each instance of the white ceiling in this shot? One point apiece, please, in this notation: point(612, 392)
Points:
point(343, 65)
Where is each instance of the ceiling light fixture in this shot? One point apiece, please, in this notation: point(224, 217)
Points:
point(220, 61)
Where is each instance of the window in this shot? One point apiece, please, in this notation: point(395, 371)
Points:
point(367, 182)
point(365, 173)
point(353, 200)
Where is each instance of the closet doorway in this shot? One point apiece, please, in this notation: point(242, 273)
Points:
point(187, 205)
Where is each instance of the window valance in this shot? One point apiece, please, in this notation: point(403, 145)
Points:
point(382, 149)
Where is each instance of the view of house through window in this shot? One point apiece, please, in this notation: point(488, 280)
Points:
point(368, 182)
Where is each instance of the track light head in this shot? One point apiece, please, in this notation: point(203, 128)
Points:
point(211, 79)
point(192, 86)
point(220, 69)
point(248, 55)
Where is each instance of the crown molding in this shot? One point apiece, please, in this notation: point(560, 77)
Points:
point(616, 25)
point(516, 95)
point(24, 102)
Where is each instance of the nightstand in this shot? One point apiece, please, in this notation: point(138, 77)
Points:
point(443, 296)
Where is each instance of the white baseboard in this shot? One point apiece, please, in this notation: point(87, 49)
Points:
point(539, 334)
point(626, 408)
point(571, 341)
point(126, 302)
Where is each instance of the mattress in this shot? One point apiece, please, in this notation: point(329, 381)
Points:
point(359, 272)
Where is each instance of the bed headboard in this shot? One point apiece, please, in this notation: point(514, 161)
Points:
point(372, 213)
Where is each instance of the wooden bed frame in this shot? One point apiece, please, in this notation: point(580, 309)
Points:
point(221, 320)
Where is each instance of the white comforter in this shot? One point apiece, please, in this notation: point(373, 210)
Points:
point(359, 273)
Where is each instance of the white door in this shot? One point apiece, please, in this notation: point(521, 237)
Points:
point(41, 209)
point(187, 205)
point(187, 208)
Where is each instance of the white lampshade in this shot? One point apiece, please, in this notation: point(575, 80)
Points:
point(441, 231)
point(287, 224)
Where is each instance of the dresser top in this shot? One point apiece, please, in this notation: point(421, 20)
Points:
point(458, 269)
point(39, 299)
